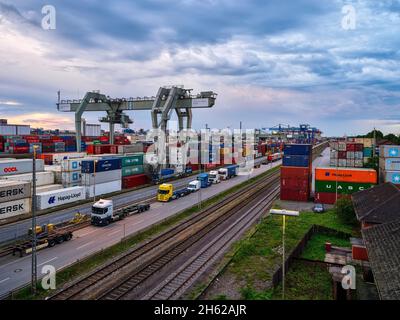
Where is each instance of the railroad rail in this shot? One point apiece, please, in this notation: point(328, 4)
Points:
point(79, 288)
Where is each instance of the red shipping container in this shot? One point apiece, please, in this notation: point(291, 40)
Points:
point(303, 184)
point(342, 154)
point(195, 167)
point(350, 147)
point(358, 147)
point(90, 148)
point(294, 195)
point(295, 172)
point(359, 252)
point(327, 197)
point(134, 181)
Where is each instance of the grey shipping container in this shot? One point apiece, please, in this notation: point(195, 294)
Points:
point(389, 164)
point(13, 167)
point(42, 178)
point(14, 208)
point(101, 177)
point(14, 190)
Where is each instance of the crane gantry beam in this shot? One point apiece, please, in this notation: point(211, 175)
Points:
point(167, 100)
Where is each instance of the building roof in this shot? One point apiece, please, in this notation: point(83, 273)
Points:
point(379, 204)
point(383, 246)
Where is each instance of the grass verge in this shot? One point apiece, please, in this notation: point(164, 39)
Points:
point(84, 266)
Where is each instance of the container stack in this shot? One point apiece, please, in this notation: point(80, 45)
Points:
point(346, 154)
point(389, 164)
point(15, 198)
point(71, 175)
point(345, 180)
point(101, 177)
point(296, 172)
point(132, 171)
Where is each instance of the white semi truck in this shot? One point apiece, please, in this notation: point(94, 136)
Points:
point(214, 177)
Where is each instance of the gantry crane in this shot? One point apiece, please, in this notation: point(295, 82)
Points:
point(161, 106)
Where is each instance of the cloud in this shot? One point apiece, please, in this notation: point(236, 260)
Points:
point(43, 120)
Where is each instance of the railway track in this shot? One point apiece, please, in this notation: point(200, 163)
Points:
point(79, 289)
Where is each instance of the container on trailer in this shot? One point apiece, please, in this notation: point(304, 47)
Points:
point(132, 170)
point(103, 188)
point(390, 151)
point(14, 167)
point(296, 161)
point(134, 181)
point(14, 208)
point(101, 177)
point(132, 160)
point(14, 190)
point(203, 178)
point(101, 165)
point(346, 175)
point(42, 178)
point(297, 149)
point(166, 171)
point(59, 197)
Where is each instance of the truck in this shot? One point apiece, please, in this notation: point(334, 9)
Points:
point(214, 177)
point(204, 180)
point(167, 193)
point(228, 172)
point(103, 212)
point(194, 185)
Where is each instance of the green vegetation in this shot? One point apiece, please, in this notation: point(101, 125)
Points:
point(379, 135)
point(315, 249)
point(345, 211)
point(259, 256)
point(97, 259)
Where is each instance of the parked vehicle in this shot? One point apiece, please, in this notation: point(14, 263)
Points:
point(166, 192)
point(318, 208)
point(204, 180)
point(274, 157)
point(103, 212)
point(228, 172)
point(194, 186)
point(214, 177)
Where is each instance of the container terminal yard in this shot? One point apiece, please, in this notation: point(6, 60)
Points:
point(153, 159)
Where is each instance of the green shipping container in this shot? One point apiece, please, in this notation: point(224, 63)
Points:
point(367, 152)
point(343, 187)
point(133, 160)
point(130, 171)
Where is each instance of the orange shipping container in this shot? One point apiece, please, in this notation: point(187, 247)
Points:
point(346, 175)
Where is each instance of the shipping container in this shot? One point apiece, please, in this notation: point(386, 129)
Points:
point(55, 198)
point(102, 188)
point(8, 130)
point(132, 148)
point(42, 178)
point(389, 164)
point(23, 130)
point(132, 160)
point(297, 149)
point(367, 152)
point(390, 176)
point(342, 187)
point(14, 167)
point(49, 187)
point(101, 165)
point(14, 190)
point(72, 164)
point(14, 208)
point(346, 175)
point(291, 172)
point(101, 177)
point(389, 151)
point(134, 181)
point(132, 170)
point(294, 195)
point(296, 161)
point(68, 177)
point(166, 172)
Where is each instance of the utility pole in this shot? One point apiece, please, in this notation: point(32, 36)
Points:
point(34, 240)
point(94, 180)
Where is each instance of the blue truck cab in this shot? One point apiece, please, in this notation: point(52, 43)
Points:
point(203, 178)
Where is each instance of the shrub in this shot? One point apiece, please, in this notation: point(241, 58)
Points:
point(345, 211)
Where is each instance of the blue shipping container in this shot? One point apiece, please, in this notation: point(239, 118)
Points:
point(296, 161)
point(101, 165)
point(166, 172)
point(297, 149)
point(203, 178)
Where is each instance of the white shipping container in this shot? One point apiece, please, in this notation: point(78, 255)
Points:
point(8, 130)
point(23, 130)
point(59, 157)
point(92, 130)
point(55, 198)
point(102, 188)
point(15, 208)
point(14, 167)
point(71, 177)
point(101, 177)
point(42, 178)
point(72, 164)
point(52, 168)
point(132, 148)
point(49, 187)
point(14, 190)
point(389, 164)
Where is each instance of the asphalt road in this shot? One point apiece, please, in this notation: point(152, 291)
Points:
point(15, 271)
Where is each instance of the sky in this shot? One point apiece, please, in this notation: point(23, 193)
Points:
point(331, 64)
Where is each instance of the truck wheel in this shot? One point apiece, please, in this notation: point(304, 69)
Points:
point(52, 243)
point(60, 239)
point(68, 237)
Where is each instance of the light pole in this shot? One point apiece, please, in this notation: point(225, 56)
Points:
point(34, 240)
point(283, 213)
point(94, 180)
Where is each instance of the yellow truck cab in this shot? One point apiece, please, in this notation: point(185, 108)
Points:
point(165, 192)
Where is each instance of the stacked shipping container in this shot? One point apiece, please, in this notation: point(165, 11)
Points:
point(389, 164)
point(330, 182)
point(296, 172)
point(347, 154)
point(15, 198)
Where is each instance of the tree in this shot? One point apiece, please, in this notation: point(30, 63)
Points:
point(345, 211)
